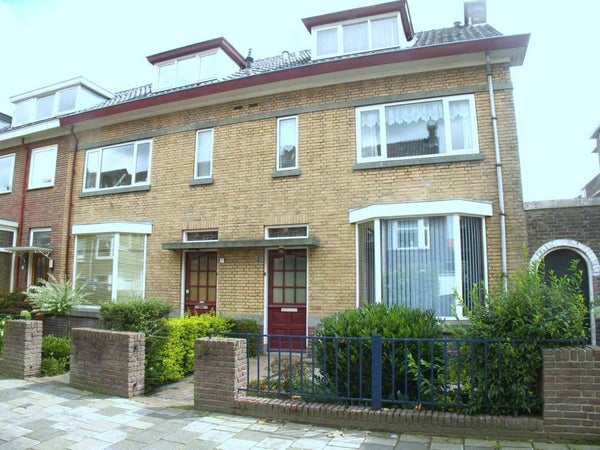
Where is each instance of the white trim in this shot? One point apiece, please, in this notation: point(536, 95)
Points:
point(212, 151)
point(420, 209)
point(12, 224)
point(32, 129)
point(267, 228)
point(79, 81)
point(11, 175)
point(113, 227)
point(570, 244)
point(296, 121)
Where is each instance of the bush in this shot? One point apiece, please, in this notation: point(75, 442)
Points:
point(341, 358)
point(534, 307)
point(56, 355)
point(143, 316)
point(170, 350)
point(55, 296)
point(13, 303)
point(248, 326)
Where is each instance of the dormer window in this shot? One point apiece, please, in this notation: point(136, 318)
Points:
point(55, 100)
point(360, 30)
point(195, 63)
point(188, 70)
point(372, 34)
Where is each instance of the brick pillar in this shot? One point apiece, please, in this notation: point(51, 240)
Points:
point(22, 355)
point(110, 362)
point(220, 371)
point(571, 392)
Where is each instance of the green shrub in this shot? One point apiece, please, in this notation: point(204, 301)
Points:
point(56, 355)
point(55, 296)
point(144, 316)
point(170, 350)
point(13, 303)
point(341, 358)
point(248, 326)
point(534, 307)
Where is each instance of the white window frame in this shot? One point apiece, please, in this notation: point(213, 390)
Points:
point(422, 229)
point(37, 230)
point(31, 182)
point(10, 226)
point(11, 173)
point(279, 121)
point(99, 151)
point(33, 109)
point(340, 35)
point(197, 154)
point(447, 129)
point(111, 245)
point(200, 74)
point(267, 229)
point(186, 234)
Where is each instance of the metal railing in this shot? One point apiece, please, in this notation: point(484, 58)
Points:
point(444, 374)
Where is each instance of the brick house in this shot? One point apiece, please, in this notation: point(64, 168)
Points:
point(366, 169)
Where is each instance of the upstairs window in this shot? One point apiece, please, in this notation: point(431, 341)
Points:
point(417, 129)
point(42, 169)
point(287, 143)
point(204, 154)
point(187, 70)
point(7, 165)
point(118, 166)
point(358, 36)
point(45, 106)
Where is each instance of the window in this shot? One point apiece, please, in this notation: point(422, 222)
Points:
point(118, 166)
point(204, 154)
point(201, 236)
point(358, 36)
point(420, 262)
point(187, 70)
point(110, 266)
point(416, 129)
point(287, 232)
point(40, 237)
point(7, 165)
point(43, 167)
point(7, 239)
point(45, 106)
point(287, 143)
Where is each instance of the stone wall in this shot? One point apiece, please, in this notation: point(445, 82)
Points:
point(108, 361)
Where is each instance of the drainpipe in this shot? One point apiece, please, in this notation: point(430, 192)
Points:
point(27, 150)
point(70, 205)
point(498, 172)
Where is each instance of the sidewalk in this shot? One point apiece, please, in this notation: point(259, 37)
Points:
point(46, 413)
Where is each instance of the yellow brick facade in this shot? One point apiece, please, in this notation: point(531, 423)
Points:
point(244, 197)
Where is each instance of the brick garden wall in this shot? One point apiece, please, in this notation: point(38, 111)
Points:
point(22, 353)
point(107, 361)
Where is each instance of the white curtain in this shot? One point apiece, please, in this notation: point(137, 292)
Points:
point(414, 112)
point(356, 37)
point(327, 42)
point(370, 133)
point(384, 32)
point(460, 119)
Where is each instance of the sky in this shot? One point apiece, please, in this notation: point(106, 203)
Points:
point(556, 90)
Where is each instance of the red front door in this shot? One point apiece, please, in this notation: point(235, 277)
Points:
point(200, 282)
point(287, 297)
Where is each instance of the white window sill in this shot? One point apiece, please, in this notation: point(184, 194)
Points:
point(418, 161)
point(201, 181)
point(286, 173)
point(116, 190)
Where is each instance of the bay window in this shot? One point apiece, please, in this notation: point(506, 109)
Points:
point(425, 128)
point(421, 262)
point(118, 166)
point(110, 260)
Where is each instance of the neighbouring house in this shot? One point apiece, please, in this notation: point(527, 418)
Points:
point(35, 181)
point(381, 166)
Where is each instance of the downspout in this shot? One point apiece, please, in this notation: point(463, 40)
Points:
point(498, 172)
point(70, 205)
point(22, 207)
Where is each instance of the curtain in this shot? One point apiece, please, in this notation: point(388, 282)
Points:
point(204, 149)
point(423, 275)
point(384, 32)
point(130, 279)
point(366, 258)
point(471, 247)
point(288, 132)
point(414, 112)
point(370, 133)
point(327, 42)
point(460, 120)
point(356, 37)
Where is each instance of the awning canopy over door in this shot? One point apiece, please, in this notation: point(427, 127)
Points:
point(30, 249)
point(258, 243)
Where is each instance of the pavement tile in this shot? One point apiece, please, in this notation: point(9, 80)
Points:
point(216, 436)
point(407, 437)
point(14, 432)
point(19, 443)
point(514, 444)
point(236, 444)
point(549, 446)
point(89, 444)
point(146, 437)
point(275, 443)
point(197, 427)
point(57, 443)
point(410, 445)
point(44, 434)
point(164, 445)
point(473, 444)
point(314, 444)
point(347, 441)
point(112, 436)
point(126, 444)
point(180, 436)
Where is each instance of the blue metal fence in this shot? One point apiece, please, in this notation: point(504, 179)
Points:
point(446, 374)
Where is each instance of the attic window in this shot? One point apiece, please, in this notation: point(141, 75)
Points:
point(187, 70)
point(357, 36)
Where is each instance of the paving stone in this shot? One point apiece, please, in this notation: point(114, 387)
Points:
point(19, 443)
point(275, 443)
point(236, 444)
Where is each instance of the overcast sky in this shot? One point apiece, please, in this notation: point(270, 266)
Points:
point(557, 90)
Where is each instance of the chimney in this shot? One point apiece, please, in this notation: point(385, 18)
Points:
point(249, 59)
point(475, 12)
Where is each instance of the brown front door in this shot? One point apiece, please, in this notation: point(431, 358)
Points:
point(39, 268)
point(287, 297)
point(200, 282)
